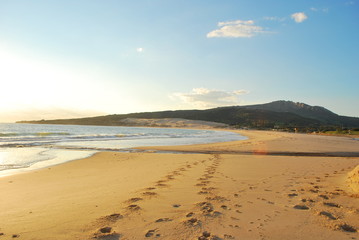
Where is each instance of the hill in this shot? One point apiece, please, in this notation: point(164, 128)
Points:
point(278, 114)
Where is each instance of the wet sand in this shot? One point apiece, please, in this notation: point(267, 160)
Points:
point(271, 186)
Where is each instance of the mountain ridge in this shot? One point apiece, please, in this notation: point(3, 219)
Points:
point(278, 114)
point(302, 109)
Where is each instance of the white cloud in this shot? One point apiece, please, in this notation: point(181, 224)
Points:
point(203, 97)
point(299, 17)
point(236, 29)
point(139, 50)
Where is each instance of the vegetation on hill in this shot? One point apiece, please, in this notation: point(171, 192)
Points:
point(281, 115)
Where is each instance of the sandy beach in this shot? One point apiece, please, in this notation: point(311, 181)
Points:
point(272, 186)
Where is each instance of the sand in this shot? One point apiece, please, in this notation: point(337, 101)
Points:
point(353, 179)
point(171, 122)
point(271, 186)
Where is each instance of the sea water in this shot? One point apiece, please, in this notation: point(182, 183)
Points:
point(31, 146)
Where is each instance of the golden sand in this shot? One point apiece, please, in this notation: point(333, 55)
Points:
point(271, 186)
point(353, 179)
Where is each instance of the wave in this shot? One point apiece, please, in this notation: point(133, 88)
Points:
point(49, 138)
point(41, 134)
point(8, 134)
point(26, 145)
point(13, 166)
point(45, 134)
point(67, 136)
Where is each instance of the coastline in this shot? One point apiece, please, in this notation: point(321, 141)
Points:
point(274, 143)
point(231, 190)
point(28, 148)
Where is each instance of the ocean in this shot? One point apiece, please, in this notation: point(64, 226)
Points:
point(26, 147)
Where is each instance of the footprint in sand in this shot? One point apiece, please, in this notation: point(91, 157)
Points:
point(323, 196)
point(225, 207)
point(292, 195)
point(162, 185)
point(206, 234)
point(176, 173)
point(133, 200)
point(208, 188)
point(228, 236)
point(307, 200)
point(149, 194)
point(203, 192)
point(330, 204)
point(152, 232)
point(346, 227)
point(170, 177)
point(161, 181)
point(163, 220)
point(133, 207)
point(112, 218)
point(217, 198)
point(193, 222)
point(301, 207)
point(105, 230)
point(328, 215)
point(205, 182)
point(106, 233)
point(190, 214)
point(200, 184)
point(206, 207)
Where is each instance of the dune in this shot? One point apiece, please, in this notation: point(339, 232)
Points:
point(171, 122)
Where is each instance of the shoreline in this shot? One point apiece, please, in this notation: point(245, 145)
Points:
point(179, 150)
point(58, 154)
point(219, 190)
point(271, 143)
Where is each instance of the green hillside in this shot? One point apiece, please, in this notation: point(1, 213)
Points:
point(283, 115)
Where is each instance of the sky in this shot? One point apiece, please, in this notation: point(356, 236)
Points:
point(80, 58)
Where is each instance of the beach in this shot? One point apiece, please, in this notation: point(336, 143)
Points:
point(271, 186)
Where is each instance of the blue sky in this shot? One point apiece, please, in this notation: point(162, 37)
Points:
point(78, 58)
